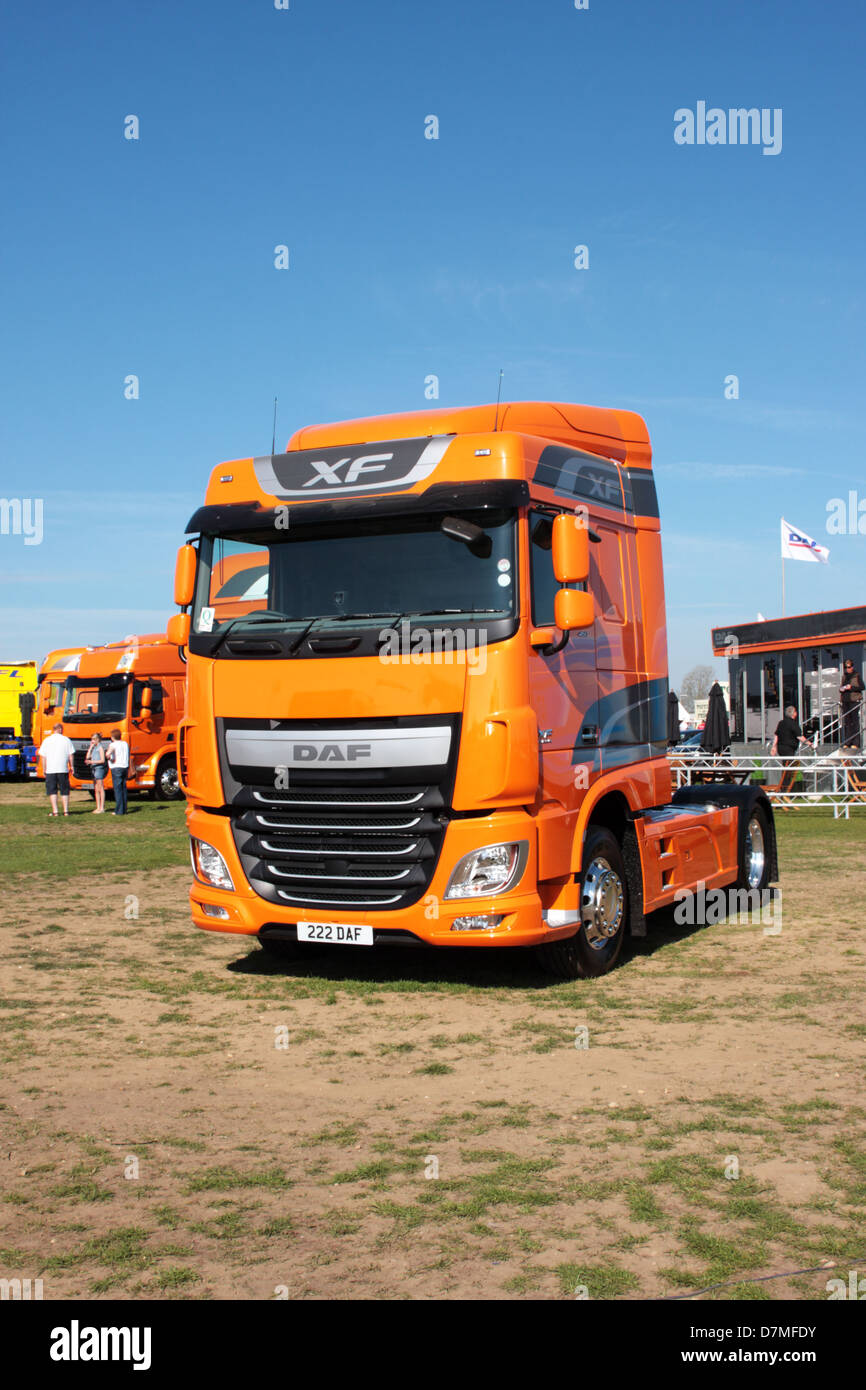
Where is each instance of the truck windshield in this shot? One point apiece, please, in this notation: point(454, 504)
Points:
point(95, 700)
point(372, 570)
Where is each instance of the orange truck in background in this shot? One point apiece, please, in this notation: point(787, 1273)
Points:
point(139, 687)
point(50, 694)
point(427, 692)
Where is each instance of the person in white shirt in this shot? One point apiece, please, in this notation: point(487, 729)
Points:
point(118, 761)
point(55, 753)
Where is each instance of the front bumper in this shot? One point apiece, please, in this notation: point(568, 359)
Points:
point(425, 922)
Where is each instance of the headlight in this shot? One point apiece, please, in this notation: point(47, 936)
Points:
point(488, 870)
point(208, 865)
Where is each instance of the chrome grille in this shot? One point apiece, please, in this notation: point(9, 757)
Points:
point(348, 847)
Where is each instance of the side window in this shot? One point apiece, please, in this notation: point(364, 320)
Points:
point(606, 575)
point(239, 580)
point(543, 585)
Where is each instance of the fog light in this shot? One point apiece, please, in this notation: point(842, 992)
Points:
point(208, 865)
point(211, 910)
point(480, 923)
point(492, 869)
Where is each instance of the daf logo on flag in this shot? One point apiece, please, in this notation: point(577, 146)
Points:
point(392, 465)
point(796, 545)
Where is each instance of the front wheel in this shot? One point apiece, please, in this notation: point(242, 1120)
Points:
point(166, 786)
point(603, 896)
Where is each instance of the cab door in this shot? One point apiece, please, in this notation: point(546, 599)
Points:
point(563, 689)
point(632, 708)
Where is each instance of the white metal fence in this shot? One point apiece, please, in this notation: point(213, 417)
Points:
point(809, 781)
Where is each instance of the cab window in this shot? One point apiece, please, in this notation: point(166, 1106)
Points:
point(542, 580)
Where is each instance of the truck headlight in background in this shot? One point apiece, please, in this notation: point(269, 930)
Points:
point(492, 869)
point(208, 865)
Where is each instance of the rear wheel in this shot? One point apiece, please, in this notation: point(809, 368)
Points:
point(603, 897)
point(166, 785)
point(755, 852)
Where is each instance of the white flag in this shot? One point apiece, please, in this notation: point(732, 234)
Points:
point(796, 545)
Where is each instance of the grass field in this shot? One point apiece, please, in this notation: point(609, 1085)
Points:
point(182, 1118)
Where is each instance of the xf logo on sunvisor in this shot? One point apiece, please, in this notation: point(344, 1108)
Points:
point(392, 465)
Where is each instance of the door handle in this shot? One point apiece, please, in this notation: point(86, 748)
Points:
point(589, 733)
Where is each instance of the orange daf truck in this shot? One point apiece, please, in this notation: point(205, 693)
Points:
point(50, 694)
point(139, 687)
point(427, 686)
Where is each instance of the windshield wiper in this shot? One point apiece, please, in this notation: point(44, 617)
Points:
point(347, 617)
point(331, 618)
point(262, 615)
point(433, 612)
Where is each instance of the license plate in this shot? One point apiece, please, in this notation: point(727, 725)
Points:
point(335, 933)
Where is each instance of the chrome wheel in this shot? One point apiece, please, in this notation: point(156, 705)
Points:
point(602, 902)
point(755, 853)
point(168, 782)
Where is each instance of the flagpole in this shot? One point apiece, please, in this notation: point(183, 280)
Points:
point(783, 586)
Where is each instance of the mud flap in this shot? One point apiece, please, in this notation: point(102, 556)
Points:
point(634, 881)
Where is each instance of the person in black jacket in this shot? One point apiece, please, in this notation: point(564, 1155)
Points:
point(788, 735)
point(851, 693)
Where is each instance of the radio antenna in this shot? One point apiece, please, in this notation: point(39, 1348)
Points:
point(274, 436)
point(498, 395)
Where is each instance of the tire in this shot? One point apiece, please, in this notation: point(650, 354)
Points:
point(166, 786)
point(755, 854)
point(595, 947)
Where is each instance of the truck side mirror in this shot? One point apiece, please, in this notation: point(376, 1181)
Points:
point(177, 631)
point(570, 546)
point(184, 576)
point(146, 699)
point(574, 609)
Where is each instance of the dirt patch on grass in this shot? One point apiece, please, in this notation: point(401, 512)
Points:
point(183, 1118)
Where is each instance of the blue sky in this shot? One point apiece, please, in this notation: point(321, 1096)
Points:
point(411, 257)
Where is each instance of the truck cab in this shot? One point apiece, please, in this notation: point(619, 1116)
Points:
point(427, 695)
point(50, 694)
point(17, 701)
point(136, 686)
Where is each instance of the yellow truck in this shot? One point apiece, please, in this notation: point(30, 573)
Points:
point(17, 702)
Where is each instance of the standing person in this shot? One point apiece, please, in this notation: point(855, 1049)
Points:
point(55, 753)
point(851, 693)
point(788, 735)
point(118, 761)
point(95, 759)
